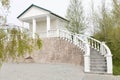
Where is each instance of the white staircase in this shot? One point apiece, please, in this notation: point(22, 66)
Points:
point(97, 56)
point(97, 62)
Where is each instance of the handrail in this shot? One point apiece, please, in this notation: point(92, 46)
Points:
point(97, 45)
point(107, 48)
point(74, 38)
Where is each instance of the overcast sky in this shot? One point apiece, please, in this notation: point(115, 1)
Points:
point(57, 6)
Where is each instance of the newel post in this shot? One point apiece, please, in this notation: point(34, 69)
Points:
point(108, 56)
point(109, 64)
point(87, 58)
point(74, 39)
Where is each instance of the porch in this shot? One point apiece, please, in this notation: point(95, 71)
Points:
point(40, 20)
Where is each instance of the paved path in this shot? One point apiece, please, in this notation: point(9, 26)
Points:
point(48, 72)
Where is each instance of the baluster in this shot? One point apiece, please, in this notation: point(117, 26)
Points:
point(92, 43)
point(70, 37)
point(74, 40)
point(77, 41)
point(66, 36)
point(95, 45)
point(63, 35)
point(102, 49)
point(88, 40)
point(99, 47)
point(81, 44)
point(58, 33)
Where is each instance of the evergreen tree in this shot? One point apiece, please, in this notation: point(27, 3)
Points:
point(75, 17)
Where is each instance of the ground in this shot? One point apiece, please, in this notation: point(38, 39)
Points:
point(34, 71)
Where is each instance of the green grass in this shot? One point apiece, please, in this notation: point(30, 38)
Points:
point(116, 66)
point(116, 70)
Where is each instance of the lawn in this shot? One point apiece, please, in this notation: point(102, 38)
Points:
point(116, 66)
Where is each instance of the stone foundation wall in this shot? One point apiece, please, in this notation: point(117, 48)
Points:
point(56, 50)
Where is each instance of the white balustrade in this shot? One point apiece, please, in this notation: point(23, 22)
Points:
point(79, 42)
point(102, 48)
point(43, 34)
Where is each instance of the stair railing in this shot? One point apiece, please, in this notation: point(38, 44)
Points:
point(102, 48)
point(80, 43)
point(84, 43)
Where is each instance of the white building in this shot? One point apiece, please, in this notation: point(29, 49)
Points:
point(41, 20)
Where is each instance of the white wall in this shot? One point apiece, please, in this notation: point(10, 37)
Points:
point(53, 24)
point(41, 27)
point(33, 11)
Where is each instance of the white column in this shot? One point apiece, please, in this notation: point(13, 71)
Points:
point(87, 58)
point(34, 28)
point(22, 25)
point(48, 24)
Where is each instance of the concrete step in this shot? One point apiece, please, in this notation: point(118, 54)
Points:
point(96, 66)
point(98, 72)
point(98, 69)
point(97, 60)
point(98, 63)
point(97, 54)
point(97, 57)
